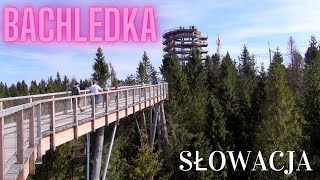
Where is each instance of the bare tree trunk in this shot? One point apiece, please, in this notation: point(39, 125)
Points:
point(98, 154)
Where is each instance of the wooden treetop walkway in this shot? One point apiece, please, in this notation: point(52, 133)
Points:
point(31, 125)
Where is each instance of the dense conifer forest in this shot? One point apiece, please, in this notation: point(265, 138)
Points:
point(220, 104)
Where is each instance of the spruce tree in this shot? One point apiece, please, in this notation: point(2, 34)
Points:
point(197, 82)
point(13, 91)
point(100, 68)
point(247, 82)
point(2, 89)
point(145, 71)
point(153, 75)
point(6, 90)
point(113, 76)
point(295, 68)
point(141, 73)
point(311, 107)
point(199, 142)
point(176, 108)
point(259, 95)
point(227, 95)
point(65, 84)
point(22, 88)
point(42, 86)
point(19, 88)
point(50, 88)
point(58, 83)
point(130, 80)
point(280, 129)
point(216, 132)
point(118, 165)
point(34, 89)
point(146, 164)
point(213, 72)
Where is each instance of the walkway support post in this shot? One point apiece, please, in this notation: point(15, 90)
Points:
point(20, 138)
point(133, 100)
point(32, 141)
point(110, 150)
point(39, 135)
point(139, 98)
point(52, 124)
point(75, 116)
point(88, 156)
point(2, 147)
point(93, 112)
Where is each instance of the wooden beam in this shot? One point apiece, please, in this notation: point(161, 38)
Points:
point(52, 125)
point(162, 92)
point(75, 117)
point(107, 109)
point(107, 102)
point(71, 103)
point(157, 93)
point(149, 95)
point(127, 102)
point(93, 112)
point(153, 95)
point(118, 105)
point(2, 163)
point(39, 131)
point(65, 106)
point(134, 99)
point(145, 96)
point(139, 99)
point(20, 138)
point(32, 141)
point(85, 99)
point(31, 128)
point(32, 166)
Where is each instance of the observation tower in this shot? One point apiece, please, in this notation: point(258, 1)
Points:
point(182, 40)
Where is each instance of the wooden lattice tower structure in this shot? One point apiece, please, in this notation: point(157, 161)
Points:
point(182, 40)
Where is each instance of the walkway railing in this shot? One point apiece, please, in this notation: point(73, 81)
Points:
point(23, 126)
point(15, 101)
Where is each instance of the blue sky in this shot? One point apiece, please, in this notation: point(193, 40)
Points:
point(254, 23)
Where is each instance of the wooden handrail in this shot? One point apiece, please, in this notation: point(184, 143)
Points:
point(15, 109)
point(51, 94)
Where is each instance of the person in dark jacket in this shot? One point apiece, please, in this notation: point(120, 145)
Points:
point(75, 92)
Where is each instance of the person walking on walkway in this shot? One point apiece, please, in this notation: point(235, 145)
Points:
point(105, 96)
point(94, 88)
point(75, 92)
